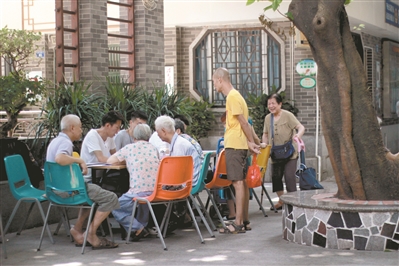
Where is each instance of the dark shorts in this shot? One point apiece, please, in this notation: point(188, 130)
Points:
point(235, 164)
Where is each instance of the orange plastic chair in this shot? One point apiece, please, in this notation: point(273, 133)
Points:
point(262, 160)
point(218, 183)
point(175, 171)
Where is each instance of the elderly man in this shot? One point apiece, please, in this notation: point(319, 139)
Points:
point(165, 127)
point(99, 145)
point(237, 140)
point(124, 137)
point(60, 151)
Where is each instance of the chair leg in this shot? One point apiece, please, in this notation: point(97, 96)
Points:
point(39, 205)
point(206, 213)
point(26, 218)
point(197, 207)
point(3, 237)
point(215, 207)
point(14, 211)
point(166, 218)
point(194, 221)
point(270, 200)
point(88, 226)
point(111, 234)
point(260, 204)
point(45, 222)
point(129, 231)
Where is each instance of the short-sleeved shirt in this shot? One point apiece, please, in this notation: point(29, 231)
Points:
point(93, 142)
point(182, 147)
point(122, 139)
point(142, 162)
point(62, 144)
point(283, 129)
point(234, 136)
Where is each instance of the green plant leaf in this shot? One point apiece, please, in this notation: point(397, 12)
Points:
point(250, 2)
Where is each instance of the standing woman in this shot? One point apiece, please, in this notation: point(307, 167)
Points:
point(286, 127)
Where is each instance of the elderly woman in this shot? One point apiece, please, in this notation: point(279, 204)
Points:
point(286, 127)
point(142, 161)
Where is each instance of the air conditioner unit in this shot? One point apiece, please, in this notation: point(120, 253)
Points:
point(300, 40)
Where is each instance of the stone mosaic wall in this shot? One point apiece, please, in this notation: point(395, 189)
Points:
point(341, 230)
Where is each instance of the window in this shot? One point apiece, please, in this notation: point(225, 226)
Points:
point(253, 58)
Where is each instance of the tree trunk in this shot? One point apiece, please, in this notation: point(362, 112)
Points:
point(349, 122)
point(7, 127)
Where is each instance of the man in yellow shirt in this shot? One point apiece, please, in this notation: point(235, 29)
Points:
point(237, 140)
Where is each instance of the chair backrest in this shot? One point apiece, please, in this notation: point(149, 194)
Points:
point(204, 172)
point(219, 170)
point(173, 171)
point(18, 178)
point(263, 158)
point(64, 184)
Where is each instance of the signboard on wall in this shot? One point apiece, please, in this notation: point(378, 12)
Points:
point(307, 69)
point(391, 13)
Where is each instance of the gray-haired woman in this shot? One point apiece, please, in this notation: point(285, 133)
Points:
point(142, 161)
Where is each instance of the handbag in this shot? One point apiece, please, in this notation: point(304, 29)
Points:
point(307, 176)
point(280, 152)
point(254, 177)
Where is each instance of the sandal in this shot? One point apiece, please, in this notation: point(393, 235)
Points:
point(105, 244)
point(238, 229)
point(247, 225)
point(143, 233)
point(81, 245)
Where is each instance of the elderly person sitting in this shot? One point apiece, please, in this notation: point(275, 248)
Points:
point(142, 161)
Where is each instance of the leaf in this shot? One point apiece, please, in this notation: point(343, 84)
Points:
point(289, 15)
point(250, 2)
point(347, 2)
point(276, 4)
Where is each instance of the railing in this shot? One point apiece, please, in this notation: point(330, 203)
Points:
point(26, 122)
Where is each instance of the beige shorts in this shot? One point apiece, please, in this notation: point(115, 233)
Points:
point(235, 164)
point(106, 200)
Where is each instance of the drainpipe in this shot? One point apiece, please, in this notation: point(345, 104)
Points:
point(317, 137)
point(292, 67)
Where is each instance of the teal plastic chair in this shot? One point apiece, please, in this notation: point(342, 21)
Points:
point(198, 188)
point(23, 191)
point(65, 187)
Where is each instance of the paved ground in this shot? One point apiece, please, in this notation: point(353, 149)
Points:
point(261, 246)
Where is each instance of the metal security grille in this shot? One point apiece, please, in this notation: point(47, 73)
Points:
point(368, 66)
point(245, 54)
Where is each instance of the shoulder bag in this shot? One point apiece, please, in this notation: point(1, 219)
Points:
point(280, 152)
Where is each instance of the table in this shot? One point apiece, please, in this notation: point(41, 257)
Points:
point(102, 166)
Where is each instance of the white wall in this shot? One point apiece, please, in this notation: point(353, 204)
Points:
point(208, 12)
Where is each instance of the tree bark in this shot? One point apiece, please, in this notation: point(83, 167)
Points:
point(350, 126)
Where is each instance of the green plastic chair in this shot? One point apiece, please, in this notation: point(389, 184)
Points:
point(65, 187)
point(198, 188)
point(23, 191)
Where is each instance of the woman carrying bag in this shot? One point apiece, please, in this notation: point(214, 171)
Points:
point(281, 134)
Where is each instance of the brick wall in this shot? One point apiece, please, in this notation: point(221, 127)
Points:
point(149, 45)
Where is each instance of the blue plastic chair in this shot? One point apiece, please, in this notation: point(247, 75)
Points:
point(65, 187)
point(198, 188)
point(23, 191)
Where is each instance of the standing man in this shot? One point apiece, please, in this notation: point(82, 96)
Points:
point(99, 145)
point(60, 151)
point(237, 140)
point(125, 137)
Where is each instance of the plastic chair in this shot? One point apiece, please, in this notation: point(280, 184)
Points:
point(197, 202)
point(3, 237)
point(218, 183)
point(175, 171)
point(262, 161)
point(65, 187)
point(23, 191)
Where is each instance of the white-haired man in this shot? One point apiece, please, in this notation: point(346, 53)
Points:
point(60, 151)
